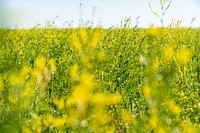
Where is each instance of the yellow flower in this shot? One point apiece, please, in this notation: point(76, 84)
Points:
point(16, 80)
point(26, 94)
point(183, 55)
point(188, 127)
point(59, 103)
point(83, 35)
point(85, 60)
point(40, 62)
point(155, 65)
point(74, 72)
point(147, 91)
point(154, 121)
point(26, 129)
point(86, 80)
point(153, 31)
point(52, 63)
point(126, 116)
point(24, 72)
point(94, 38)
point(101, 117)
point(168, 53)
point(173, 108)
point(75, 41)
point(99, 99)
point(47, 120)
point(161, 130)
point(110, 129)
point(114, 99)
point(58, 122)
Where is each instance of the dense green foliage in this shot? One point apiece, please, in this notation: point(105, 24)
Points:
point(97, 80)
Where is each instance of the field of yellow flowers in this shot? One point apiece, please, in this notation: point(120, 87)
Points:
point(96, 80)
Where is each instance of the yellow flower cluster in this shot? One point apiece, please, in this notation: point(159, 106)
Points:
point(173, 108)
point(27, 82)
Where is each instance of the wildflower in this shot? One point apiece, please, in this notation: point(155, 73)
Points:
point(173, 108)
point(110, 129)
point(99, 99)
point(86, 61)
point(94, 38)
point(147, 91)
point(74, 72)
point(154, 65)
point(101, 117)
point(47, 120)
point(52, 66)
point(187, 127)
point(80, 96)
point(86, 80)
point(114, 98)
point(161, 130)
point(58, 122)
point(59, 103)
point(168, 53)
point(153, 31)
point(183, 55)
point(83, 35)
point(154, 121)
point(24, 72)
point(76, 43)
point(26, 129)
point(36, 125)
point(27, 92)
point(126, 116)
point(36, 74)
point(40, 62)
point(19, 78)
point(16, 80)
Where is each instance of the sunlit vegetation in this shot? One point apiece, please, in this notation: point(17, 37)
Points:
point(98, 80)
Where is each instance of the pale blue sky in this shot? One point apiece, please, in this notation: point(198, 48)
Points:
point(28, 13)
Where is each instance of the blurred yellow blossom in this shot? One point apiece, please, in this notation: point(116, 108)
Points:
point(154, 121)
point(188, 127)
point(94, 38)
point(86, 80)
point(173, 108)
point(114, 98)
point(40, 62)
point(59, 103)
point(75, 41)
point(153, 31)
point(161, 130)
point(24, 72)
point(52, 64)
point(16, 80)
point(83, 35)
point(58, 122)
point(126, 117)
point(74, 72)
point(47, 120)
point(99, 99)
point(168, 53)
point(26, 129)
point(147, 91)
point(183, 55)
